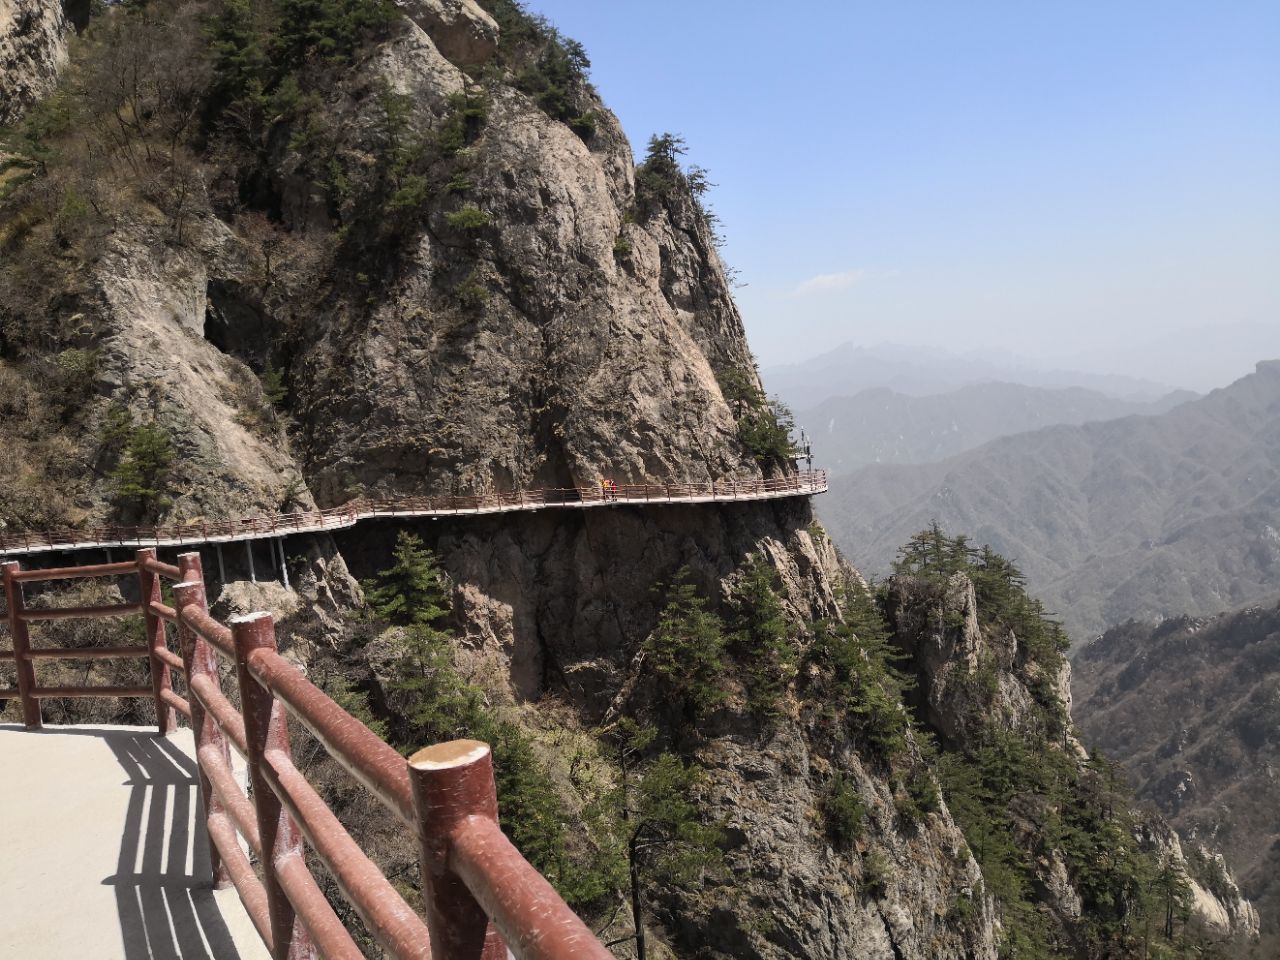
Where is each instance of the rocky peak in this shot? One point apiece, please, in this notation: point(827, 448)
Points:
point(460, 29)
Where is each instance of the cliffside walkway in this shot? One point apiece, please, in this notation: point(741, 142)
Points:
point(183, 826)
point(802, 484)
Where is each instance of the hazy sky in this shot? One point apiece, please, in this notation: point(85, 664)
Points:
point(1096, 184)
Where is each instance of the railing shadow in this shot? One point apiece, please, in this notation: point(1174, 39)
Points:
point(163, 883)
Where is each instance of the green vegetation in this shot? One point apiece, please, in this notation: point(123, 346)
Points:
point(545, 64)
point(428, 701)
point(141, 478)
point(410, 591)
point(635, 821)
point(687, 650)
point(1003, 604)
point(764, 425)
point(862, 686)
point(1019, 796)
point(761, 640)
point(843, 811)
point(470, 218)
point(665, 836)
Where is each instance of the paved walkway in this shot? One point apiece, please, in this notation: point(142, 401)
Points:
point(102, 855)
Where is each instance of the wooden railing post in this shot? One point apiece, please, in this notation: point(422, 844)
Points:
point(266, 731)
point(451, 783)
point(199, 659)
point(149, 591)
point(21, 647)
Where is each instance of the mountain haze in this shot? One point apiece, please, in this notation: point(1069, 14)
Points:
point(1137, 517)
point(883, 426)
point(921, 371)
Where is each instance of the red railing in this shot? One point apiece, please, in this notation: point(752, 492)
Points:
point(804, 483)
point(481, 896)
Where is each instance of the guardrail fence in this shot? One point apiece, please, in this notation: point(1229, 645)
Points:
point(481, 897)
point(803, 483)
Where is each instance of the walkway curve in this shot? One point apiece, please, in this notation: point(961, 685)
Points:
point(802, 484)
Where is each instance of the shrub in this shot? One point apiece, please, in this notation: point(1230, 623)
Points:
point(764, 425)
point(468, 111)
point(472, 293)
point(867, 690)
point(470, 218)
point(877, 871)
point(843, 812)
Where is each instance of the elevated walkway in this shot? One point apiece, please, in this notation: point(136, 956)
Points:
point(103, 853)
point(805, 483)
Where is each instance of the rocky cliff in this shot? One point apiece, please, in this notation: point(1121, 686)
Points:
point(33, 50)
point(1041, 815)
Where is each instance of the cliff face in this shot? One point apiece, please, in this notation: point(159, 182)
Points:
point(415, 270)
point(33, 50)
point(1026, 793)
point(1191, 707)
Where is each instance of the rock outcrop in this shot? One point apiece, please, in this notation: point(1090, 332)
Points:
point(977, 683)
point(33, 51)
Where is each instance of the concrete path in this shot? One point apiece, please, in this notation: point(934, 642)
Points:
point(102, 854)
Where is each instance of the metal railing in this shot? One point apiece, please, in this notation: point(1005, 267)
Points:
point(803, 483)
point(481, 896)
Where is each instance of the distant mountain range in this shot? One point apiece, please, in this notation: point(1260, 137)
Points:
point(883, 426)
point(920, 371)
point(1137, 517)
point(1191, 708)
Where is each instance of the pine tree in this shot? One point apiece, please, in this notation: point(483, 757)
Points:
point(665, 836)
point(142, 474)
point(761, 638)
point(410, 591)
point(687, 649)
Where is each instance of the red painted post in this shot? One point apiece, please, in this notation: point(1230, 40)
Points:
point(451, 783)
point(161, 680)
point(21, 648)
point(198, 658)
point(265, 730)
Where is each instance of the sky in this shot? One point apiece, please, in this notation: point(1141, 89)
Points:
point(1092, 185)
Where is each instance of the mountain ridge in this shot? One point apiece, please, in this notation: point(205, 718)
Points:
point(1109, 520)
point(880, 425)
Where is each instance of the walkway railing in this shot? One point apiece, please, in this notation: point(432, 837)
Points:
point(804, 483)
point(481, 896)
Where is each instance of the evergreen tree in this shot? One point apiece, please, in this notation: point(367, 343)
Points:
point(410, 591)
point(665, 836)
point(687, 649)
point(761, 639)
point(143, 473)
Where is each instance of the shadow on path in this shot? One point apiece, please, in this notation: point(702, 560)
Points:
point(167, 910)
